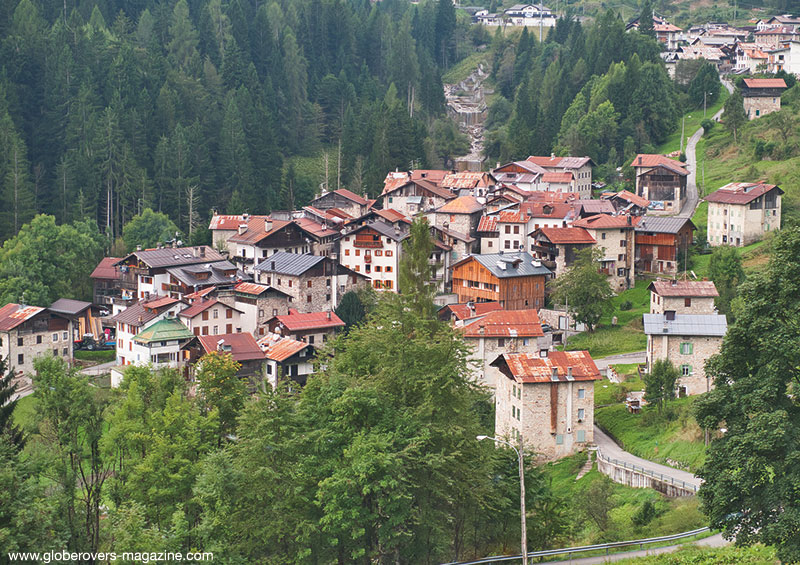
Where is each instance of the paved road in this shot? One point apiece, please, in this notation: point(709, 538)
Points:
point(712, 541)
point(692, 196)
point(611, 449)
point(100, 369)
point(622, 359)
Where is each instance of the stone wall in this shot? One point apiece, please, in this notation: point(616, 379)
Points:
point(637, 477)
point(757, 106)
point(698, 305)
point(668, 347)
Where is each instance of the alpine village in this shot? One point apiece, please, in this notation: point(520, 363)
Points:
point(399, 282)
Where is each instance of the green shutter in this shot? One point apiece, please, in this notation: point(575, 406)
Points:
point(581, 436)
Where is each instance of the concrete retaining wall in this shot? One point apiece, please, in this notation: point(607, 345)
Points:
point(636, 477)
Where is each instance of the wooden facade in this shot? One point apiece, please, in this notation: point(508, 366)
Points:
point(474, 282)
point(658, 252)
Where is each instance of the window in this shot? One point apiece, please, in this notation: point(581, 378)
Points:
point(377, 284)
point(274, 311)
point(621, 257)
point(387, 285)
point(229, 313)
point(328, 297)
point(290, 283)
point(19, 341)
point(687, 348)
point(516, 229)
point(389, 252)
point(622, 243)
point(308, 299)
point(489, 243)
point(65, 351)
point(377, 268)
point(559, 439)
point(388, 269)
point(310, 284)
point(279, 282)
point(508, 229)
point(55, 337)
point(55, 353)
point(269, 369)
point(261, 313)
point(686, 370)
point(525, 341)
point(581, 436)
point(205, 315)
point(603, 235)
point(501, 342)
point(358, 253)
point(20, 359)
point(216, 330)
point(38, 339)
point(508, 244)
point(65, 336)
point(687, 302)
point(311, 340)
point(358, 268)
point(581, 393)
point(581, 413)
point(378, 253)
point(205, 330)
point(347, 252)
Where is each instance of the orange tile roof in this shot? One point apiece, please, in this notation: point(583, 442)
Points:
point(229, 221)
point(506, 323)
point(159, 302)
point(765, 83)
point(462, 205)
point(666, 27)
point(282, 348)
point(465, 179)
point(432, 175)
point(488, 224)
point(651, 160)
point(510, 217)
point(631, 197)
point(257, 230)
point(250, 288)
point(392, 216)
point(557, 177)
point(463, 312)
point(527, 368)
point(560, 236)
point(551, 196)
point(200, 293)
point(605, 221)
point(545, 209)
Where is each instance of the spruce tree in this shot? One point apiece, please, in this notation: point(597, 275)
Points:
point(7, 406)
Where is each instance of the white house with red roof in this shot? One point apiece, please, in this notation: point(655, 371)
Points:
point(287, 359)
point(546, 403)
point(137, 318)
point(741, 213)
point(209, 316)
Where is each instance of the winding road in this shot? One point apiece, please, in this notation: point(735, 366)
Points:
point(692, 196)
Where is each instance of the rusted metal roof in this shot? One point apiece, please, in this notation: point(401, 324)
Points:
point(462, 205)
point(464, 312)
point(466, 179)
point(560, 236)
point(628, 196)
point(689, 289)
point(505, 323)
point(12, 315)
point(279, 348)
point(568, 366)
point(294, 321)
point(651, 160)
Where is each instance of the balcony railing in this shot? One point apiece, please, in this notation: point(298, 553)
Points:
point(372, 244)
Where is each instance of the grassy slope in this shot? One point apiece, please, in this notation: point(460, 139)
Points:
point(656, 438)
point(463, 68)
point(627, 336)
point(692, 124)
point(694, 555)
point(676, 515)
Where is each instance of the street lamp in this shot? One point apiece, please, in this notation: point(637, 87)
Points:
point(524, 542)
point(683, 130)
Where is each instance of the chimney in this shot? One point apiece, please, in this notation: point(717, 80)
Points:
point(674, 282)
point(138, 248)
point(174, 243)
point(481, 330)
point(202, 249)
point(242, 228)
point(272, 267)
point(329, 316)
point(245, 217)
point(629, 220)
point(552, 156)
point(555, 374)
point(569, 373)
point(640, 160)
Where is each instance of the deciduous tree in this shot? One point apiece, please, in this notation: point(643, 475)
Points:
point(148, 229)
point(660, 383)
point(584, 288)
point(725, 269)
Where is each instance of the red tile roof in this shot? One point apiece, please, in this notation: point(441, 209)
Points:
point(665, 27)
point(651, 160)
point(279, 348)
point(527, 368)
point(765, 83)
point(243, 345)
point(631, 197)
point(510, 217)
point(466, 179)
point(200, 293)
point(564, 178)
point(462, 205)
point(12, 315)
point(605, 221)
point(560, 236)
point(463, 312)
point(392, 216)
point(488, 224)
point(105, 269)
point(352, 196)
point(257, 230)
point(506, 323)
point(675, 288)
point(198, 307)
point(545, 209)
point(432, 175)
point(314, 228)
point(740, 192)
point(294, 321)
point(159, 302)
point(229, 221)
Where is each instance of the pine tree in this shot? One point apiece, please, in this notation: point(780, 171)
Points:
point(734, 116)
point(415, 268)
point(7, 405)
point(646, 20)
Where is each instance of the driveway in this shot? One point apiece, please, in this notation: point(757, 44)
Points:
point(621, 359)
point(100, 369)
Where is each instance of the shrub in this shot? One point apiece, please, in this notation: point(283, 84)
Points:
point(707, 125)
point(645, 514)
point(627, 305)
point(682, 158)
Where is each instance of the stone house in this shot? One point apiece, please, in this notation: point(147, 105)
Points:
point(775, 37)
point(546, 403)
point(209, 316)
point(415, 196)
point(515, 280)
point(688, 340)
point(662, 181)
point(762, 96)
point(580, 168)
point(614, 236)
point(473, 183)
point(241, 346)
point(374, 250)
point(661, 242)
point(257, 304)
point(742, 213)
point(314, 328)
point(313, 283)
point(135, 319)
point(682, 297)
point(558, 247)
point(461, 214)
point(224, 226)
point(342, 199)
point(287, 358)
point(503, 331)
point(28, 332)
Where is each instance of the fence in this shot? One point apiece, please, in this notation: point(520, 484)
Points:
point(688, 487)
point(583, 549)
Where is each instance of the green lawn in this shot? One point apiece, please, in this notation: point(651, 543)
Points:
point(606, 392)
point(696, 555)
point(692, 124)
point(25, 414)
point(99, 356)
point(674, 515)
point(657, 438)
point(753, 256)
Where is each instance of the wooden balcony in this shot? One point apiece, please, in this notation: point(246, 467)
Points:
point(371, 244)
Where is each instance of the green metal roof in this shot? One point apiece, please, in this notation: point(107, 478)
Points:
point(168, 329)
